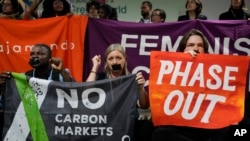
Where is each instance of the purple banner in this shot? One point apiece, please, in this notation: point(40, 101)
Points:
point(225, 37)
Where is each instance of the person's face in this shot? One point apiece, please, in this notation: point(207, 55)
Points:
point(58, 5)
point(7, 7)
point(114, 58)
point(195, 43)
point(42, 55)
point(155, 17)
point(191, 5)
point(101, 13)
point(93, 11)
point(236, 3)
point(145, 9)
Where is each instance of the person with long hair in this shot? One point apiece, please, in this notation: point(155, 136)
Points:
point(14, 9)
point(193, 42)
point(53, 8)
point(106, 11)
point(115, 66)
point(92, 8)
point(193, 11)
point(236, 11)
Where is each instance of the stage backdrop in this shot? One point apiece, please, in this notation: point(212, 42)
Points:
point(225, 37)
point(65, 35)
point(197, 92)
point(43, 110)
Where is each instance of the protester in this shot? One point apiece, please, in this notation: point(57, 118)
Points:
point(14, 9)
point(146, 8)
point(116, 66)
point(44, 67)
point(236, 11)
point(193, 42)
point(92, 8)
point(106, 11)
point(158, 16)
point(193, 11)
point(51, 8)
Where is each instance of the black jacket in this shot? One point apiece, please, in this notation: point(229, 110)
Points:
point(186, 17)
point(233, 14)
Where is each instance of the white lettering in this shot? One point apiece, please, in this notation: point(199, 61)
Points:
point(213, 98)
point(241, 48)
point(173, 69)
point(144, 44)
point(125, 38)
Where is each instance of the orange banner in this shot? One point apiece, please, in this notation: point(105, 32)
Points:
point(205, 92)
point(65, 35)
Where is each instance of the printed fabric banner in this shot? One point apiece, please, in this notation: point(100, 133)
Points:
point(197, 92)
point(225, 37)
point(65, 35)
point(43, 110)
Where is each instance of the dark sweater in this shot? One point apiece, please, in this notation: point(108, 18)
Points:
point(234, 14)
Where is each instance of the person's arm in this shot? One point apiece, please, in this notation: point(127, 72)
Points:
point(26, 9)
point(96, 60)
point(32, 10)
point(143, 101)
point(57, 64)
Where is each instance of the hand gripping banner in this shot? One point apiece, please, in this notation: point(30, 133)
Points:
point(197, 92)
point(43, 110)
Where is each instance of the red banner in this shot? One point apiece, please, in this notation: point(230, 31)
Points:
point(65, 35)
point(197, 92)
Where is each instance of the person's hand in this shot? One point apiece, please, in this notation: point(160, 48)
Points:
point(193, 53)
point(140, 80)
point(3, 76)
point(143, 101)
point(70, 14)
point(57, 64)
point(96, 60)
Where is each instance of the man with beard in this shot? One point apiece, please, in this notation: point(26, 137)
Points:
point(146, 8)
point(44, 66)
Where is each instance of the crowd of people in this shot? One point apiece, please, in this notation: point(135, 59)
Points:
point(48, 67)
point(237, 11)
point(18, 9)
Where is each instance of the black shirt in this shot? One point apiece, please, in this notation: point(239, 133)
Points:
point(234, 14)
point(186, 17)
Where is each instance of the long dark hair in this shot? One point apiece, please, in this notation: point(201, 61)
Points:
point(242, 6)
point(17, 9)
point(109, 12)
point(48, 10)
point(198, 8)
